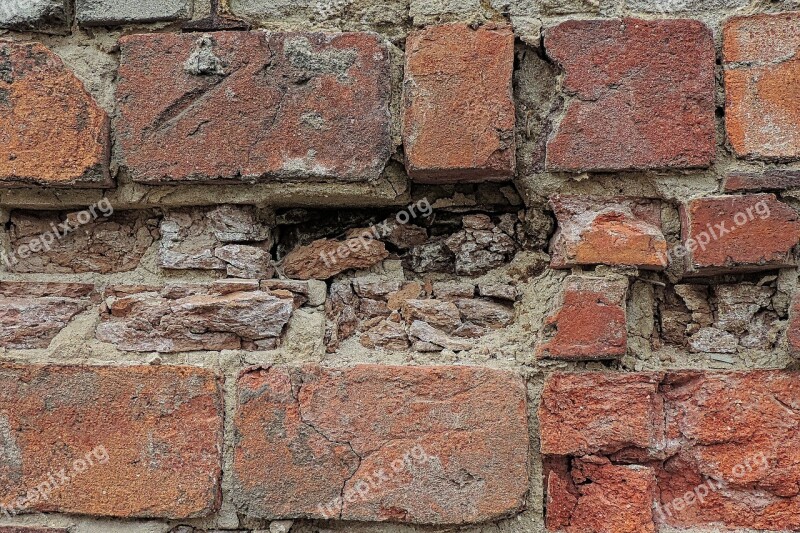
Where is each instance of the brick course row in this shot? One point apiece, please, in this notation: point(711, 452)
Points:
point(248, 106)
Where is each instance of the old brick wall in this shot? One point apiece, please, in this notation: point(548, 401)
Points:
point(399, 266)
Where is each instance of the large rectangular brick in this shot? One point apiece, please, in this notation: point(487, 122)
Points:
point(426, 445)
point(52, 132)
point(762, 81)
point(115, 12)
point(111, 441)
point(775, 180)
point(647, 104)
point(178, 318)
point(459, 116)
point(33, 313)
point(250, 106)
point(723, 446)
point(607, 231)
point(588, 320)
point(738, 233)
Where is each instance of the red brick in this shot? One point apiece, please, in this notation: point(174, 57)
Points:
point(307, 436)
point(459, 113)
point(593, 412)
point(643, 95)
point(740, 428)
point(32, 314)
point(599, 497)
point(589, 320)
point(762, 80)
point(160, 427)
point(52, 132)
point(610, 231)
point(776, 180)
point(741, 233)
point(248, 106)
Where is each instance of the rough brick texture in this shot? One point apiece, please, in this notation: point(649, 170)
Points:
point(721, 446)
point(649, 103)
point(738, 233)
point(610, 231)
point(760, 55)
point(42, 15)
point(588, 322)
point(23, 529)
point(459, 114)
point(317, 443)
point(247, 106)
point(153, 436)
point(51, 130)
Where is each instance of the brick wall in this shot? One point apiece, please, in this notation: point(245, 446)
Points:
point(399, 266)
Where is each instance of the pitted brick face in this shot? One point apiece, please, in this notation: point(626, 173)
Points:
point(640, 95)
point(52, 132)
point(250, 106)
point(134, 442)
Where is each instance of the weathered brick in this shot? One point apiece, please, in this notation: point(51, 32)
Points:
point(433, 11)
point(762, 68)
point(105, 244)
point(428, 445)
point(32, 314)
point(588, 322)
point(597, 496)
point(155, 434)
point(611, 231)
point(775, 180)
point(738, 435)
point(738, 233)
point(249, 106)
point(115, 12)
point(178, 318)
point(40, 96)
point(459, 116)
point(600, 413)
point(41, 15)
point(648, 104)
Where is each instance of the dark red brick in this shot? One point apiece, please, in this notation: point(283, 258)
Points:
point(52, 132)
point(249, 106)
point(589, 320)
point(776, 180)
point(306, 437)
point(459, 112)
point(156, 434)
point(738, 233)
point(642, 95)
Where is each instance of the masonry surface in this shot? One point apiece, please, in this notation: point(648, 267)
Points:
point(399, 266)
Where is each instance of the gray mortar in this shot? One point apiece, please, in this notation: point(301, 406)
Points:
point(93, 55)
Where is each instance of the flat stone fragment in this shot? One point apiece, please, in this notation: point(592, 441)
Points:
point(32, 314)
point(117, 12)
point(421, 445)
point(761, 58)
point(252, 106)
point(324, 258)
point(179, 318)
point(135, 442)
point(648, 104)
point(52, 132)
point(41, 15)
point(459, 118)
